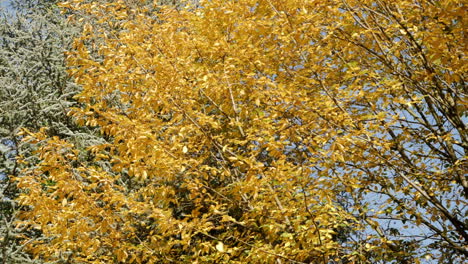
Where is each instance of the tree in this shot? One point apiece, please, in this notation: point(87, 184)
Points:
point(35, 91)
point(260, 131)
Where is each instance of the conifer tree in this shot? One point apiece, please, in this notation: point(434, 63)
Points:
point(35, 91)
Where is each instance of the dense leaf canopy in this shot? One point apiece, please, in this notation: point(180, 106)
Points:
point(259, 132)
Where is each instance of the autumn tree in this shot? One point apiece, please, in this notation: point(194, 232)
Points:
point(261, 132)
point(35, 91)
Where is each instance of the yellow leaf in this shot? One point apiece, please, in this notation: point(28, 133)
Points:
point(220, 247)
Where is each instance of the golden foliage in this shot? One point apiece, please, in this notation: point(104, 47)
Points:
point(235, 125)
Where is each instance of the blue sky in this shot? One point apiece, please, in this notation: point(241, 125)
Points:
point(4, 3)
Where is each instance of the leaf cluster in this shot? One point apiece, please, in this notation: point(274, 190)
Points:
point(260, 131)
